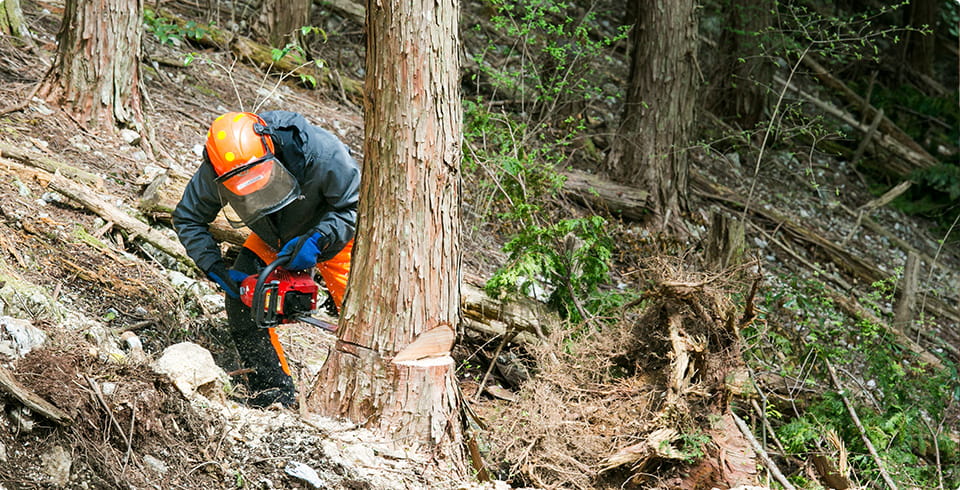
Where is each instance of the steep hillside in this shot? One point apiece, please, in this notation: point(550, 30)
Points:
point(88, 306)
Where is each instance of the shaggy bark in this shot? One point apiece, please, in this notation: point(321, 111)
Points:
point(96, 72)
point(405, 280)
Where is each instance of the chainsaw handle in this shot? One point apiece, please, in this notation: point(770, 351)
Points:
point(257, 305)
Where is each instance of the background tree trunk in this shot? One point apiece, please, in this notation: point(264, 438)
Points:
point(280, 21)
point(742, 74)
point(392, 367)
point(918, 48)
point(11, 18)
point(648, 150)
point(96, 73)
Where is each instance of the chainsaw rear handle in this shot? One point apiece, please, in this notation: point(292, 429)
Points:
point(260, 314)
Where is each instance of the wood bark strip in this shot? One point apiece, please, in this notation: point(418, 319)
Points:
point(31, 400)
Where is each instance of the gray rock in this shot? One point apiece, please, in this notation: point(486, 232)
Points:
point(56, 464)
point(22, 336)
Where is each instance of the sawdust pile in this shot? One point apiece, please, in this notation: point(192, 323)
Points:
point(633, 403)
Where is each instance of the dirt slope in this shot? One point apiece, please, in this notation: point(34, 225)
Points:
point(83, 282)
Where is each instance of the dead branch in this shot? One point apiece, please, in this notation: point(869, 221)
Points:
point(31, 400)
point(909, 156)
point(48, 164)
point(108, 212)
point(863, 433)
point(767, 461)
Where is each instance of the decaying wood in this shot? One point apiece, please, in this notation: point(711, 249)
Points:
point(48, 164)
point(885, 125)
point(874, 204)
point(355, 11)
point(109, 212)
point(864, 271)
point(262, 56)
point(910, 158)
point(725, 243)
point(903, 311)
point(10, 385)
point(531, 319)
point(599, 193)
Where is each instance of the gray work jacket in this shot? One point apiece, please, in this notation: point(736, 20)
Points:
point(329, 181)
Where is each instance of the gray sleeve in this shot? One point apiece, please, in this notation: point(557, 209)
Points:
point(192, 217)
point(341, 190)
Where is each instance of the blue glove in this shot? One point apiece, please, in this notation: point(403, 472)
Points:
point(227, 280)
point(302, 251)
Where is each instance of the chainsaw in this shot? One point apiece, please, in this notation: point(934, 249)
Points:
point(277, 296)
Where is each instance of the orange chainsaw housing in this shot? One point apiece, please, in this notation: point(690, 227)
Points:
point(287, 294)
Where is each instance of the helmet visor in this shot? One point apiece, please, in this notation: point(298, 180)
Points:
point(257, 188)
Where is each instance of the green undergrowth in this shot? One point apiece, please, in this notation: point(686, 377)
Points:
point(904, 405)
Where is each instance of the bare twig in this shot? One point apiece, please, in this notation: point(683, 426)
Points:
point(863, 433)
point(506, 338)
point(771, 466)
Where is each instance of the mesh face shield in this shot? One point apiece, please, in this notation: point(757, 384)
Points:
point(256, 189)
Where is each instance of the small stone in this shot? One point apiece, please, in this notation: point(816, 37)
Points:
point(56, 464)
point(130, 137)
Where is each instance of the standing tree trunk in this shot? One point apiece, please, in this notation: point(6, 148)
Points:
point(391, 367)
point(742, 74)
point(918, 48)
point(280, 21)
point(11, 18)
point(96, 73)
point(648, 150)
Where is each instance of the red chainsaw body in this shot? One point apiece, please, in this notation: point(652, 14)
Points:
point(296, 294)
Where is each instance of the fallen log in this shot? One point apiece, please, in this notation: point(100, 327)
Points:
point(48, 164)
point(160, 198)
point(528, 319)
point(885, 125)
point(909, 159)
point(118, 217)
point(309, 74)
point(598, 193)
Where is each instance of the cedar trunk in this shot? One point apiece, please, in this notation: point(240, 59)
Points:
point(96, 73)
point(280, 21)
point(404, 295)
point(742, 73)
point(11, 18)
point(648, 150)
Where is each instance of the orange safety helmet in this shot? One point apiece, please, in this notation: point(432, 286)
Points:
point(232, 142)
point(256, 183)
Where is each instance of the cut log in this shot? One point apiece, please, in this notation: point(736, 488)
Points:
point(481, 313)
